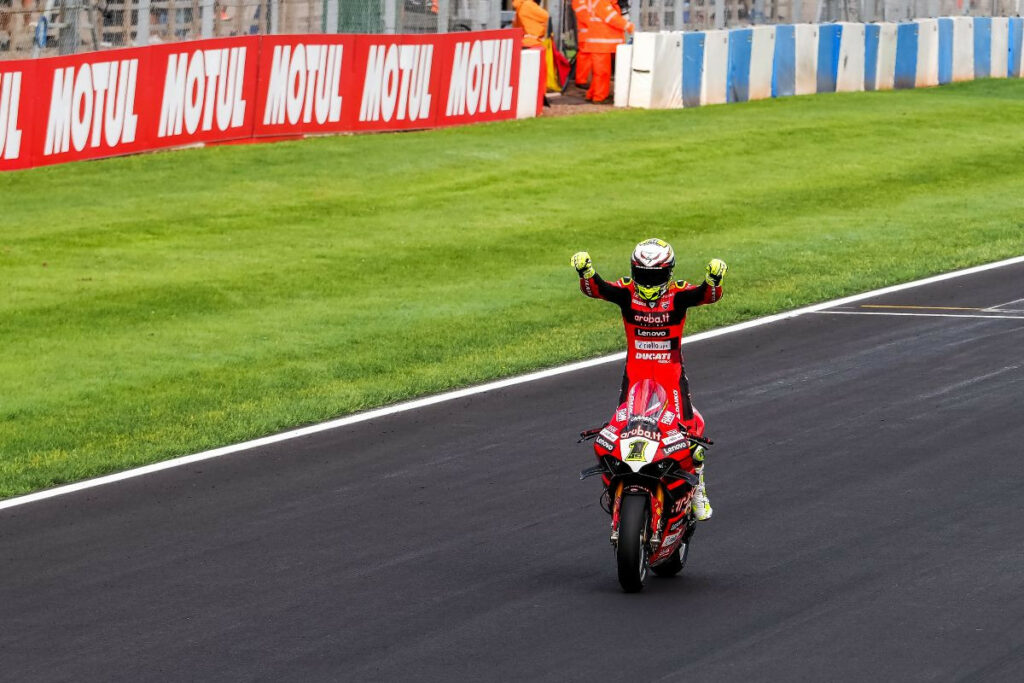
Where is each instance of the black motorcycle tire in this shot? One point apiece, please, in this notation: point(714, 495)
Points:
point(631, 551)
point(674, 564)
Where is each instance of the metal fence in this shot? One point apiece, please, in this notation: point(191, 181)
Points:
point(678, 15)
point(32, 28)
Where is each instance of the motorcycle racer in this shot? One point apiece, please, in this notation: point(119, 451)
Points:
point(654, 313)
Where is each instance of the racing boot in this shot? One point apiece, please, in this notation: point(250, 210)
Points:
point(701, 505)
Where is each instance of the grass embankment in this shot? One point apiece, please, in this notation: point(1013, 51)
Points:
point(160, 305)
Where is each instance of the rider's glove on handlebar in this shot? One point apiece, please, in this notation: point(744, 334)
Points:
point(583, 265)
point(715, 272)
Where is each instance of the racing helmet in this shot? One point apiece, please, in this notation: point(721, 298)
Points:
point(652, 264)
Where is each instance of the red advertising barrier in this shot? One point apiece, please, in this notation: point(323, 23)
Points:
point(242, 89)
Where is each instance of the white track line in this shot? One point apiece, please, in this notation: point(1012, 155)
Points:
point(925, 315)
point(480, 389)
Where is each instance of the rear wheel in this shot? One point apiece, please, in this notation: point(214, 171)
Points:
point(674, 564)
point(631, 551)
point(677, 561)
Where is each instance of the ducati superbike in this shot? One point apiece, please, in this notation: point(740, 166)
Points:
point(646, 461)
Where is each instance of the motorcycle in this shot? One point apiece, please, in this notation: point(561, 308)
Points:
point(646, 461)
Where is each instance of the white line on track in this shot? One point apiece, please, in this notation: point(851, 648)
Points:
point(480, 389)
point(925, 315)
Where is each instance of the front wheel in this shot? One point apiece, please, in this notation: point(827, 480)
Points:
point(631, 551)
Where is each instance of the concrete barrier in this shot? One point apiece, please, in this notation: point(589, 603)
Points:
point(623, 71)
point(885, 73)
point(715, 77)
point(828, 56)
point(850, 67)
point(928, 53)
point(1000, 46)
point(762, 49)
point(529, 84)
point(1015, 38)
point(737, 87)
point(669, 69)
point(693, 68)
point(945, 50)
point(963, 48)
point(655, 77)
point(784, 61)
point(871, 34)
point(905, 72)
point(641, 77)
point(982, 47)
point(806, 59)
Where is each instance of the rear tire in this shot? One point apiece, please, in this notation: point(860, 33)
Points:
point(631, 552)
point(675, 564)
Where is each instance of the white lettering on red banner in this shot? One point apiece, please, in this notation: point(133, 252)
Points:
point(201, 88)
point(92, 104)
point(304, 83)
point(481, 77)
point(10, 97)
point(397, 83)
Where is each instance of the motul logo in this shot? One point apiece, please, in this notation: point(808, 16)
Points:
point(481, 77)
point(203, 88)
point(92, 104)
point(10, 96)
point(397, 83)
point(305, 85)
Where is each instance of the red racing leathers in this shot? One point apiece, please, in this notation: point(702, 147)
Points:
point(654, 332)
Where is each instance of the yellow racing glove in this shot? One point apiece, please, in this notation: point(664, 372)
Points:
point(583, 265)
point(715, 272)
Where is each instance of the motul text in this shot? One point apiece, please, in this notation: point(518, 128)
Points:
point(397, 83)
point(92, 105)
point(304, 85)
point(10, 99)
point(203, 88)
point(481, 77)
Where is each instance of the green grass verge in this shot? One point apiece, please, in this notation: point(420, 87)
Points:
point(159, 305)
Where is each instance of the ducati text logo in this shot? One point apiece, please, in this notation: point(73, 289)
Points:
point(660, 357)
point(92, 104)
point(481, 77)
point(202, 89)
point(397, 83)
point(10, 96)
point(304, 85)
point(636, 451)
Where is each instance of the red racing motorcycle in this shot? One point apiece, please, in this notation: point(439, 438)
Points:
point(645, 460)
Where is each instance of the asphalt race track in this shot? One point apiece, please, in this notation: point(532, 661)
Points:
point(868, 486)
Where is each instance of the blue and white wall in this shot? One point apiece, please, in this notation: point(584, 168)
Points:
point(690, 69)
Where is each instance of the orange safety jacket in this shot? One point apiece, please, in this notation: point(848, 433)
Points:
point(582, 10)
point(607, 27)
point(533, 19)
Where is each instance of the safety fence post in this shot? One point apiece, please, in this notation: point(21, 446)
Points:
point(206, 29)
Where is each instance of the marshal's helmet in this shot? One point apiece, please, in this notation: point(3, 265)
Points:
point(653, 261)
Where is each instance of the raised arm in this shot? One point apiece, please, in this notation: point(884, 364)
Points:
point(594, 286)
point(707, 293)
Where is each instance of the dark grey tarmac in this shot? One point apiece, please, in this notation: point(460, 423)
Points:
point(868, 484)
